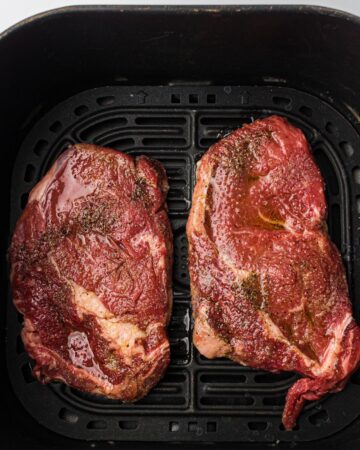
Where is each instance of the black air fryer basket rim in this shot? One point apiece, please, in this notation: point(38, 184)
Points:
point(180, 9)
point(206, 111)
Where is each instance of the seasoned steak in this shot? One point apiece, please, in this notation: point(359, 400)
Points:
point(268, 286)
point(91, 260)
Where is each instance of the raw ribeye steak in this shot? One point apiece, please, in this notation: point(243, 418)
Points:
point(268, 286)
point(91, 260)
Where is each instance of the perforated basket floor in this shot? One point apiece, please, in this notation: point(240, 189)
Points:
point(199, 399)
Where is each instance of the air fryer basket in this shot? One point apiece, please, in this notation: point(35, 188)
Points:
point(164, 103)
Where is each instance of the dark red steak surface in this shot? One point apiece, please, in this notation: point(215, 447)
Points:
point(268, 286)
point(91, 263)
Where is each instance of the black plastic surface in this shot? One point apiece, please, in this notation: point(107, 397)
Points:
point(199, 399)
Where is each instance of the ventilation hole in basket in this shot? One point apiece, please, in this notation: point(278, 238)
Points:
point(55, 127)
point(178, 184)
point(160, 121)
point(356, 175)
point(174, 378)
point(284, 102)
point(330, 128)
point(41, 147)
point(306, 111)
point(175, 98)
point(68, 416)
point(96, 425)
point(176, 205)
point(257, 426)
point(121, 144)
point(105, 101)
point(164, 142)
point(272, 377)
point(118, 144)
point(335, 225)
point(19, 346)
point(221, 378)
point(174, 193)
point(234, 400)
point(163, 389)
point(207, 142)
point(229, 123)
point(96, 399)
point(162, 400)
point(174, 426)
point(180, 348)
point(193, 98)
point(24, 199)
point(174, 171)
point(211, 98)
point(276, 400)
point(211, 427)
point(319, 418)
point(358, 204)
point(347, 148)
point(356, 378)
point(80, 110)
point(97, 129)
point(128, 424)
point(27, 373)
point(327, 170)
point(29, 173)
